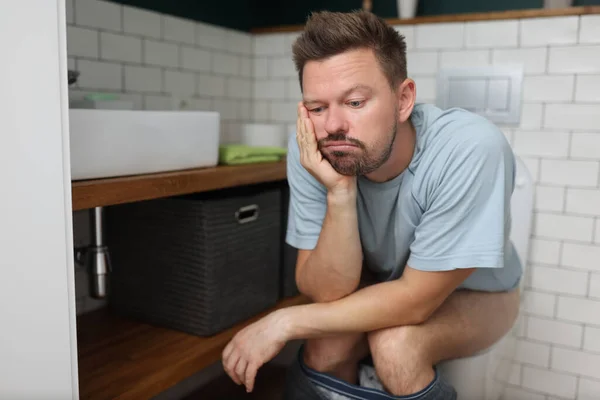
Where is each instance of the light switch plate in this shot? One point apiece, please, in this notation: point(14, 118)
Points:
point(491, 91)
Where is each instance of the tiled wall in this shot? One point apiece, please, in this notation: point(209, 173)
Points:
point(559, 139)
point(149, 57)
point(276, 87)
point(157, 61)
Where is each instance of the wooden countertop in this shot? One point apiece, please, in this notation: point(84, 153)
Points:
point(499, 15)
point(110, 191)
point(124, 359)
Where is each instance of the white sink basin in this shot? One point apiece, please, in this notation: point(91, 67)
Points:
point(109, 143)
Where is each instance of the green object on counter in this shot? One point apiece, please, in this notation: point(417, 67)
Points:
point(233, 154)
point(101, 97)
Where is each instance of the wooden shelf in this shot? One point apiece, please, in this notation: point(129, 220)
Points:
point(499, 15)
point(124, 359)
point(110, 191)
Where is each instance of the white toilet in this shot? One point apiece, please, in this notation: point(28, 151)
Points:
point(484, 376)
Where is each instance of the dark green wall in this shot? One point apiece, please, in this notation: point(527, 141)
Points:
point(246, 14)
point(586, 2)
point(236, 14)
point(437, 7)
point(292, 13)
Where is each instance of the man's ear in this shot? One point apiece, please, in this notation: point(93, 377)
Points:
point(406, 93)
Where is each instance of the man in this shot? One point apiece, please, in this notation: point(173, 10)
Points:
point(416, 197)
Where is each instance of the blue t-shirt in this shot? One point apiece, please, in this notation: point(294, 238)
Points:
point(449, 209)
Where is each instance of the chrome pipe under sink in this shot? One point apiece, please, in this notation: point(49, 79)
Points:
point(99, 258)
point(96, 256)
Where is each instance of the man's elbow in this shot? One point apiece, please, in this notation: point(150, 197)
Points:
point(319, 293)
point(328, 295)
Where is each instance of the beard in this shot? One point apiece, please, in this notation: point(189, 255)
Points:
point(364, 161)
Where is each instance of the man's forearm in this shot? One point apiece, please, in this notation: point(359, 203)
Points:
point(409, 300)
point(334, 267)
point(379, 306)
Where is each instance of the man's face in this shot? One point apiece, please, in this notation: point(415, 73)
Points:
point(353, 109)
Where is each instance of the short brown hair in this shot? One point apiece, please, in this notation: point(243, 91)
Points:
point(329, 33)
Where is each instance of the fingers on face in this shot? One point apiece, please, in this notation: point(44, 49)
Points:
point(310, 132)
point(305, 134)
point(301, 134)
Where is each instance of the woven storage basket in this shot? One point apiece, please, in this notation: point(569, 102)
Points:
point(198, 263)
point(289, 253)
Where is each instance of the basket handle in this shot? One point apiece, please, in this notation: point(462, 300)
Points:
point(247, 214)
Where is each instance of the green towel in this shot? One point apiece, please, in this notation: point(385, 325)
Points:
point(232, 154)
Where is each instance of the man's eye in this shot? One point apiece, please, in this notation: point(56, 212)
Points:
point(317, 110)
point(355, 103)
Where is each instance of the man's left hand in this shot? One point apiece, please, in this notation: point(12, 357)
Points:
point(254, 346)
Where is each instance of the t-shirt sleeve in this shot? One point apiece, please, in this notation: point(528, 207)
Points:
point(307, 205)
point(465, 206)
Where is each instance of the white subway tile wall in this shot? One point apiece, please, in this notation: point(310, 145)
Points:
point(547, 31)
point(252, 77)
point(160, 61)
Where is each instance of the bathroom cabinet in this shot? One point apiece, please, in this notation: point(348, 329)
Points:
point(124, 359)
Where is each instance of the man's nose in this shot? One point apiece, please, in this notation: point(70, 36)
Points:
point(335, 121)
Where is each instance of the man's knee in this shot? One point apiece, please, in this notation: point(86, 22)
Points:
point(398, 344)
point(401, 361)
point(328, 354)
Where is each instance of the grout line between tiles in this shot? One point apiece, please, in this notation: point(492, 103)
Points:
point(122, 12)
point(75, 12)
point(123, 78)
point(99, 39)
point(583, 335)
point(543, 121)
point(521, 375)
point(560, 253)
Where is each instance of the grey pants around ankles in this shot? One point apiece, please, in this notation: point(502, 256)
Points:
point(304, 383)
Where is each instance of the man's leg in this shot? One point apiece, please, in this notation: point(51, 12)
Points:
point(465, 324)
point(337, 356)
